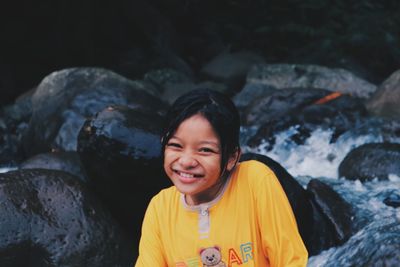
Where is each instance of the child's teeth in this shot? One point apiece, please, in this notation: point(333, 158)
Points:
point(186, 175)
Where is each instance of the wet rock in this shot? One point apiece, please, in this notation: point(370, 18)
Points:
point(9, 147)
point(378, 245)
point(49, 218)
point(297, 75)
point(339, 114)
point(334, 217)
point(370, 161)
point(161, 78)
point(297, 196)
point(20, 110)
point(273, 106)
point(249, 94)
point(231, 68)
point(385, 101)
point(63, 161)
point(390, 197)
point(392, 200)
point(14, 120)
point(121, 151)
point(173, 84)
point(64, 99)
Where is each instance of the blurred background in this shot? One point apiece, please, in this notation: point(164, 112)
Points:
point(132, 37)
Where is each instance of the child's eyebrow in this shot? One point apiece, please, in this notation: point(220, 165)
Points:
point(210, 143)
point(174, 137)
point(204, 142)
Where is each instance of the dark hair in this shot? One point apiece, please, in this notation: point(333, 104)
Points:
point(217, 108)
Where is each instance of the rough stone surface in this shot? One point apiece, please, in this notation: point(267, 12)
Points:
point(386, 100)
point(297, 75)
point(250, 93)
point(62, 161)
point(377, 245)
point(121, 151)
point(338, 115)
point(336, 213)
point(370, 161)
point(49, 218)
point(231, 68)
point(64, 99)
point(265, 109)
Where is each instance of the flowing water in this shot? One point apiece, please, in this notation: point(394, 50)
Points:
point(319, 158)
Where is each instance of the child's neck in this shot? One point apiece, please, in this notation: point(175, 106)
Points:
point(205, 197)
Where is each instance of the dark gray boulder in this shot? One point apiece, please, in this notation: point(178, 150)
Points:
point(392, 200)
point(370, 161)
point(302, 75)
point(333, 216)
point(14, 120)
point(250, 93)
point(270, 107)
point(377, 245)
point(231, 68)
point(385, 101)
point(62, 161)
point(65, 99)
point(121, 151)
point(49, 218)
point(339, 114)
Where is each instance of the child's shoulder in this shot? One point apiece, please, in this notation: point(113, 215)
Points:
point(254, 173)
point(166, 194)
point(254, 166)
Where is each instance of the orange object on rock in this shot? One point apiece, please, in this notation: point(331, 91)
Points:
point(328, 98)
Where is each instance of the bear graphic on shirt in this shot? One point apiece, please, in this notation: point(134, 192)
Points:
point(211, 257)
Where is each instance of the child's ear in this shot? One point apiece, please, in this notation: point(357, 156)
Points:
point(233, 159)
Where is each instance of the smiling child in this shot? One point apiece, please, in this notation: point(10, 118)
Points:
point(219, 212)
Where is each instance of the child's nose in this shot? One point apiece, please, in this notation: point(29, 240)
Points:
point(188, 161)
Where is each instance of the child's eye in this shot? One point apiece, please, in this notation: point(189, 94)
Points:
point(175, 145)
point(207, 150)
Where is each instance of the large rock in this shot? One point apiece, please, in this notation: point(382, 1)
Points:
point(338, 115)
point(65, 98)
point(63, 161)
point(385, 101)
point(48, 218)
point(297, 75)
point(231, 68)
point(334, 219)
point(162, 78)
point(172, 84)
point(121, 151)
point(378, 245)
point(272, 106)
point(250, 93)
point(370, 161)
point(14, 120)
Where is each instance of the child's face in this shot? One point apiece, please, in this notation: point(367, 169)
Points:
point(192, 160)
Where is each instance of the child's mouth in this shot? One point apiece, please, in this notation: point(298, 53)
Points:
point(188, 177)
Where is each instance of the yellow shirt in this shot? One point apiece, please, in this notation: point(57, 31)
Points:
point(250, 223)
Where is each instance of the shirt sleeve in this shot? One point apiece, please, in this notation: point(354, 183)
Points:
point(282, 243)
point(150, 247)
